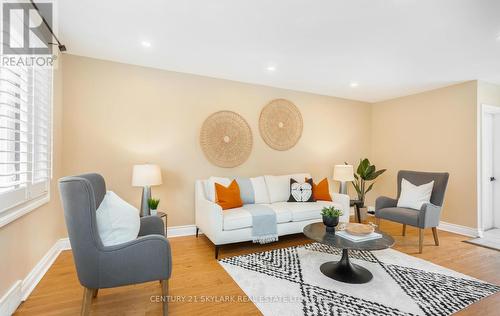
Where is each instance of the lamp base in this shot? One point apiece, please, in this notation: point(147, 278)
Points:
point(146, 195)
point(343, 187)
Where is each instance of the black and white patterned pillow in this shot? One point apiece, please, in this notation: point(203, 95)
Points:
point(301, 191)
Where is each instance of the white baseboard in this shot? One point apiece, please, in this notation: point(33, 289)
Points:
point(42, 267)
point(22, 288)
point(11, 300)
point(178, 231)
point(459, 229)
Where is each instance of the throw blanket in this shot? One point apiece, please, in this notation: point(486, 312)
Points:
point(264, 227)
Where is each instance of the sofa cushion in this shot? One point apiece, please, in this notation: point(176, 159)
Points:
point(210, 186)
point(238, 218)
point(399, 214)
point(260, 190)
point(305, 210)
point(247, 194)
point(414, 196)
point(117, 221)
point(228, 197)
point(301, 191)
point(278, 187)
point(321, 191)
point(253, 190)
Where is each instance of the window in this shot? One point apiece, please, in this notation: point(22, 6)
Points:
point(25, 136)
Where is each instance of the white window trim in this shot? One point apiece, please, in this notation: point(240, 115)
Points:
point(15, 212)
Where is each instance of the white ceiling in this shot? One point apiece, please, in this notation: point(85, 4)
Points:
point(389, 47)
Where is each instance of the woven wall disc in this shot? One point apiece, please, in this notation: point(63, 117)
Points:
point(226, 139)
point(280, 124)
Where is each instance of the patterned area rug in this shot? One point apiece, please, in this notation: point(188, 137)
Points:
point(288, 281)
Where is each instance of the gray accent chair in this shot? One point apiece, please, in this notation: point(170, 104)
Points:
point(427, 217)
point(147, 258)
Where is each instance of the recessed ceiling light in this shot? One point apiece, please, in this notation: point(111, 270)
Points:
point(271, 68)
point(354, 84)
point(146, 44)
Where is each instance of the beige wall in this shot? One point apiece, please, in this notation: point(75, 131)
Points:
point(117, 115)
point(26, 240)
point(431, 131)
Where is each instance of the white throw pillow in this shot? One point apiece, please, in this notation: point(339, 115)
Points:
point(414, 196)
point(210, 187)
point(117, 221)
point(260, 190)
point(278, 187)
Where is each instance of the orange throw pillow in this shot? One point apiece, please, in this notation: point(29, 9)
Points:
point(321, 191)
point(228, 197)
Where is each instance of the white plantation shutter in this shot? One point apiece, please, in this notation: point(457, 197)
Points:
point(25, 134)
point(42, 122)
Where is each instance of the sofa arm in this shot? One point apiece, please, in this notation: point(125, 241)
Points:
point(345, 201)
point(208, 215)
point(429, 215)
point(147, 258)
point(384, 202)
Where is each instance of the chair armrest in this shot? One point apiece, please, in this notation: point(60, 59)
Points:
point(345, 201)
point(152, 225)
point(384, 202)
point(147, 258)
point(429, 215)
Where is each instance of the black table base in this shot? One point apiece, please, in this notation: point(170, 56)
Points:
point(345, 271)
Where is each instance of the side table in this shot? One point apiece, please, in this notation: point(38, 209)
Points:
point(358, 204)
point(165, 216)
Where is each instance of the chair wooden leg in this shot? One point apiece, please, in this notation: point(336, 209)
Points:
point(94, 294)
point(164, 293)
point(404, 229)
point(420, 239)
point(435, 233)
point(197, 230)
point(87, 301)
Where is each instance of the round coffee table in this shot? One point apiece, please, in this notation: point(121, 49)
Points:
point(344, 270)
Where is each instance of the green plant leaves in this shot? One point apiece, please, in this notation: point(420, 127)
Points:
point(153, 203)
point(375, 174)
point(331, 211)
point(370, 187)
point(365, 172)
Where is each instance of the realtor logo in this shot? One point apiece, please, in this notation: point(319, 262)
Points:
point(24, 30)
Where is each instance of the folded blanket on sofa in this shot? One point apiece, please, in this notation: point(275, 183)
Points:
point(264, 226)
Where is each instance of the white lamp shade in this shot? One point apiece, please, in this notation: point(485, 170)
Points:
point(343, 173)
point(146, 175)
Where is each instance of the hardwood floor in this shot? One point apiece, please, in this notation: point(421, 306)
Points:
point(197, 275)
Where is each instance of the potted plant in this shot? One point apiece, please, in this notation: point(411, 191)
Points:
point(153, 205)
point(331, 217)
point(365, 173)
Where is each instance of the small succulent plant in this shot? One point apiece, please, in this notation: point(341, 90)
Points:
point(331, 212)
point(153, 203)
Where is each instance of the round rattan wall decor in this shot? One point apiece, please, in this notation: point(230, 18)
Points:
point(226, 139)
point(280, 124)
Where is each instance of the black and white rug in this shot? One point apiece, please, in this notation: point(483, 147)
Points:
point(288, 281)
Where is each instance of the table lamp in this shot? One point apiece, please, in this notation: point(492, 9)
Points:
point(344, 174)
point(145, 176)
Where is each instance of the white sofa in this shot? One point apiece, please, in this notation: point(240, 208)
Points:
point(235, 225)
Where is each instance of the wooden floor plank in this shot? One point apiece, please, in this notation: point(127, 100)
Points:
point(196, 274)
